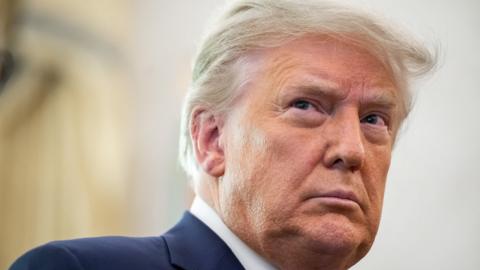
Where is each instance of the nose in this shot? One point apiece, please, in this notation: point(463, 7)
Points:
point(345, 147)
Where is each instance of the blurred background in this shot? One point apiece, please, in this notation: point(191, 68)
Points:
point(89, 121)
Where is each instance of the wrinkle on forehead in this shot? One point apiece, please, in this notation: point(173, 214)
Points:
point(306, 49)
point(295, 60)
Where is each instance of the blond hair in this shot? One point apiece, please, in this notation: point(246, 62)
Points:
point(248, 25)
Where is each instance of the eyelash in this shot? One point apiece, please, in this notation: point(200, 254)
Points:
point(305, 102)
point(380, 116)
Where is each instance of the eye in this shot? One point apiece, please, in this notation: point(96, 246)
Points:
point(302, 105)
point(374, 119)
point(304, 112)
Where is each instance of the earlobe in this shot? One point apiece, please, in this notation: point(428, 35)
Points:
point(206, 131)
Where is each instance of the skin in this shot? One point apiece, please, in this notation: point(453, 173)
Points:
point(297, 168)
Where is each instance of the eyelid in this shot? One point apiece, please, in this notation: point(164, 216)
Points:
point(313, 103)
point(384, 116)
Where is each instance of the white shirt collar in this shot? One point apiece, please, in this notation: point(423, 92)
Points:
point(247, 257)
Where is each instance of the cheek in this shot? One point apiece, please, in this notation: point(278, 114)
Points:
point(279, 169)
point(245, 159)
point(375, 175)
point(292, 151)
point(267, 165)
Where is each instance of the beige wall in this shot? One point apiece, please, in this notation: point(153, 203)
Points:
point(64, 125)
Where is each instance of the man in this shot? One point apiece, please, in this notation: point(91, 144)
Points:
point(287, 133)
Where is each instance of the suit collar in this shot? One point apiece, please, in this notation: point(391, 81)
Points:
point(192, 245)
point(245, 255)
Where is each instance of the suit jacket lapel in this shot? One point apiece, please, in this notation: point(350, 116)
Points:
point(193, 245)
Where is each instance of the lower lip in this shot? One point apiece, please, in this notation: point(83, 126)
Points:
point(336, 202)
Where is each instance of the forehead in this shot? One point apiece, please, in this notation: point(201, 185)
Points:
point(329, 58)
point(322, 61)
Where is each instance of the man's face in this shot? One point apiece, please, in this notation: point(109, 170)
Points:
point(307, 149)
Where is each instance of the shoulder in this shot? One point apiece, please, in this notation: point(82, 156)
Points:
point(98, 253)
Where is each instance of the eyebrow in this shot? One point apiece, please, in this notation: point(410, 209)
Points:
point(382, 98)
point(324, 89)
point(319, 87)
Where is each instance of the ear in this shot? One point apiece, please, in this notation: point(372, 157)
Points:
point(206, 131)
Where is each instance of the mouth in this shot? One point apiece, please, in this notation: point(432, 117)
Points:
point(339, 198)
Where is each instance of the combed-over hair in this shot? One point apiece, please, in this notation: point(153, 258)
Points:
point(249, 25)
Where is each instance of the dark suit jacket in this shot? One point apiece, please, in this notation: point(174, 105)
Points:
point(188, 245)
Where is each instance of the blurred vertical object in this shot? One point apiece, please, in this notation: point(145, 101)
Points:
point(6, 60)
point(6, 67)
point(4, 19)
point(64, 122)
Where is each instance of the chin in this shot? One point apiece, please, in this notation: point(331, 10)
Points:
point(336, 234)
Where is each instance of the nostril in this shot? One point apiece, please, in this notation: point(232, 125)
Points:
point(346, 161)
point(337, 162)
